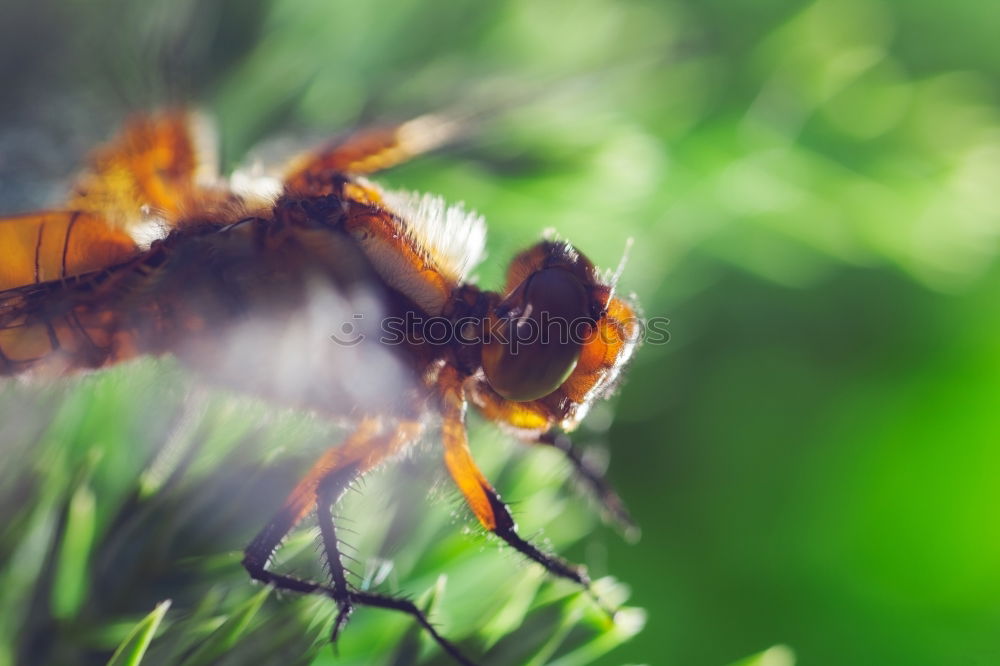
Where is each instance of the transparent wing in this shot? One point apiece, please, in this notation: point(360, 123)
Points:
point(304, 324)
point(326, 352)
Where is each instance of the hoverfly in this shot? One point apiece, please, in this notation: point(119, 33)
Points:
point(255, 288)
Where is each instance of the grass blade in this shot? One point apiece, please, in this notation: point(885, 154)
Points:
point(223, 638)
point(777, 655)
point(131, 650)
point(71, 580)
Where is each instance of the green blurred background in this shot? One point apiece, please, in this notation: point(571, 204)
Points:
point(811, 186)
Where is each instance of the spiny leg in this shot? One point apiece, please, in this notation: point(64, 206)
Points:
point(606, 495)
point(322, 486)
point(299, 503)
point(484, 501)
point(407, 606)
point(330, 490)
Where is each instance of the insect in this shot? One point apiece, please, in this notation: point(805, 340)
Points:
point(324, 291)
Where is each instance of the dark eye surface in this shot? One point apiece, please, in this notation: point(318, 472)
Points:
point(537, 341)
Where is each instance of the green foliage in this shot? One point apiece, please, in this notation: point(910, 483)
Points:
point(131, 650)
point(144, 486)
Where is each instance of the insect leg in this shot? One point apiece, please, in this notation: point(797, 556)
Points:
point(484, 501)
point(300, 502)
point(330, 490)
point(407, 606)
point(322, 486)
point(606, 495)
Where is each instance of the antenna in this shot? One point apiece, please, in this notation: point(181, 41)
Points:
point(622, 262)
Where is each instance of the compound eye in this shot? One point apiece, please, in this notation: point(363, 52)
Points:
point(536, 337)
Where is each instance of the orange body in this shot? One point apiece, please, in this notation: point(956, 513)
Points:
point(155, 254)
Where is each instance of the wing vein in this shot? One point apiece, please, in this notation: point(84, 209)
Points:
point(65, 250)
point(38, 252)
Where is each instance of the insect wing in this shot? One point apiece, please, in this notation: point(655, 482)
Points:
point(369, 151)
point(327, 353)
point(150, 174)
point(160, 166)
point(281, 327)
point(54, 245)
